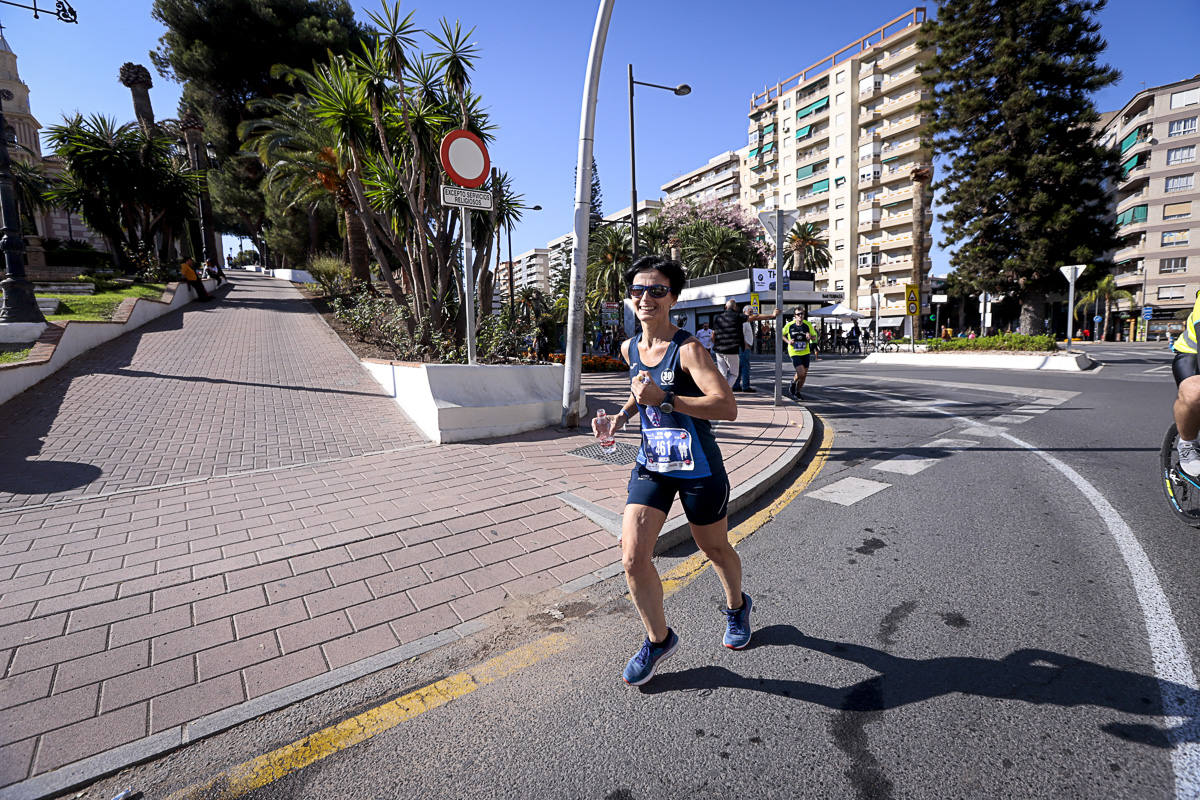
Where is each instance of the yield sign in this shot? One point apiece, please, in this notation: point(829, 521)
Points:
point(1072, 271)
point(768, 219)
point(465, 159)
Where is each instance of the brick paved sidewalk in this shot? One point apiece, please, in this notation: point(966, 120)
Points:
point(221, 513)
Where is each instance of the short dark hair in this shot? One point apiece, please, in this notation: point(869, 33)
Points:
point(672, 269)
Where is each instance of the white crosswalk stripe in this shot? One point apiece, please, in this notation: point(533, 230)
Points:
point(848, 491)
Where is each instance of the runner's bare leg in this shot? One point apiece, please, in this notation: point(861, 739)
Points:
point(639, 533)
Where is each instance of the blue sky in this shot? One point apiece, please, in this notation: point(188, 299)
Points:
point(531, 71)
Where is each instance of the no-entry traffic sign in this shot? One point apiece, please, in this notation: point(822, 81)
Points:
point(465, 159)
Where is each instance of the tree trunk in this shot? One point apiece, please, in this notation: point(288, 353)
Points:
point(314, 234)
point(1032, 306)
point(356, 246)
point(1107, 310)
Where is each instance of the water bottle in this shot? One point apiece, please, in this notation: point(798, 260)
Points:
point(608, 442)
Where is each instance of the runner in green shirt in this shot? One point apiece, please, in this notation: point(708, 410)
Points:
point(801, 337)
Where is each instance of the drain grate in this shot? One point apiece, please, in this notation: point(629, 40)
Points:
point(624, 454)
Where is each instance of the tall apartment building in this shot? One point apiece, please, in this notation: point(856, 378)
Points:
point(1156, 200)
point(531, 268)
point(838, 142)
point(718, 181)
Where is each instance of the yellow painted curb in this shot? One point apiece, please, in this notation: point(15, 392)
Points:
point(268, 768)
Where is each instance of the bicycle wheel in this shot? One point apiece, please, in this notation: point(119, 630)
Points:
point(1182, 491)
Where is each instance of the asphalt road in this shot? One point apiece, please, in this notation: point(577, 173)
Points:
point(942, 612)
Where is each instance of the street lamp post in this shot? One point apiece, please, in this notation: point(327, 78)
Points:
point(679, 90)
point(512, 297)
point(20, 304)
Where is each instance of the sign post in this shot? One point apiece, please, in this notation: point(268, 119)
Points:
point(777, 223)
point(912, 304)
point(1071, 273)
point(938, 300)
point(465, 159)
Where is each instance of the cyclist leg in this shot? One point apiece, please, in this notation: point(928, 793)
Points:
point(1187, 400)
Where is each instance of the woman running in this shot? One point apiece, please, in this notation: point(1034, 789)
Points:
point(676, 389)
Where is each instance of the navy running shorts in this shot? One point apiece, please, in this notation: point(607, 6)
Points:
point(704, 500)
point(800, 361)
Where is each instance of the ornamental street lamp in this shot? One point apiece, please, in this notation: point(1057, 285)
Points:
point(20, 304)
point(512, 296)
point(679, 90)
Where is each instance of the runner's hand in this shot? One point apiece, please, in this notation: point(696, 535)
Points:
point(645, 390)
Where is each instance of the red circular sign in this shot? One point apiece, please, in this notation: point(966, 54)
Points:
point(465, 159)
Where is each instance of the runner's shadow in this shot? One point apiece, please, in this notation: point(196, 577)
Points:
point(1040, 677)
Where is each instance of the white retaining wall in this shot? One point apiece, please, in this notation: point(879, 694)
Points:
point(79, 337)
point(458, 402)
point(1067, 362)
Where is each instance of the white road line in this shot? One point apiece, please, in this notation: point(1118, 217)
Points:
point(1010, 419)
point(905, 464)
point(1033, 409)
point(952, 444)
point(1172, 663)
point(848, 491)
point(1163, 368)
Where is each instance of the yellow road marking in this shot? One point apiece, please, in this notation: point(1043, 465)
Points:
point(268, 768)
point(686, 571)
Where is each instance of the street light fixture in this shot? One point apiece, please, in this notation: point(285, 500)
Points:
point(680, 90)
point(512, 295)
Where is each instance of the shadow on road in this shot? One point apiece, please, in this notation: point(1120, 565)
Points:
point(1040, 677)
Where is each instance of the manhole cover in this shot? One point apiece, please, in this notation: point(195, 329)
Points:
point(624, 454)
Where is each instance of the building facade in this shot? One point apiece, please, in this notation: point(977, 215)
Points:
point(839, 142)
point(560, 251)
point(530, 269)
point(1156, 201)
point(23, 129)
point(718, 181)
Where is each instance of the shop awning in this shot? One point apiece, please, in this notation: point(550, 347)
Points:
point(890, 322)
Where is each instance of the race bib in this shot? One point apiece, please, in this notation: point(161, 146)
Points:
point(667, 449)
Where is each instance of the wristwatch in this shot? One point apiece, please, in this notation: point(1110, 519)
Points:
point(667, 406)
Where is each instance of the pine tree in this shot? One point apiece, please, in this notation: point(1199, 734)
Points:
point(1011, 110)
point(596, 215)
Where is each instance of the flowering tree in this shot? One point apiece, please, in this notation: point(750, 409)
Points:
point(679, 216)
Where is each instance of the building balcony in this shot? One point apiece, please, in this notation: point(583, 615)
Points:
point(901, 78)
point(903, 101)
point(815, 175)
point(899, 56)
point(901, 125)
point(869, 86)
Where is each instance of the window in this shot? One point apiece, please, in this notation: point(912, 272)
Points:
point(838, 181)
point(839, 286)
point(840, 77)
point(787, 103)
point(1177, 210)
point(840, 140)
point(1181, 127)
point(1181, 155)
point(1132, 215)
point(840, 119)
point(840, 204)
point(840, 246)
point(787, 199)
point(837, 224)
point(1170, 292)
point(1175, 238)
point(786, 179)
point(837, 162)
point(1178, 183)
point(1188, 97)
point(840, 98)
point(1170, 265)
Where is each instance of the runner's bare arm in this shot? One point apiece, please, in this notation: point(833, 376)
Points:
point(717, 402)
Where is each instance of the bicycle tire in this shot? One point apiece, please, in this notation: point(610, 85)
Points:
point(1182, 492)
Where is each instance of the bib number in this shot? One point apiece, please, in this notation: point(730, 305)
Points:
point(668, 450)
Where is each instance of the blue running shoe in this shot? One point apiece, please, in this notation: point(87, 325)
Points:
point(737, 624)
point(641, 667)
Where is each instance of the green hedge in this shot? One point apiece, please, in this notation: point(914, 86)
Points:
point(1005, 341)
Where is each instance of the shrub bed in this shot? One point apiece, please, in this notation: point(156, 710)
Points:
point(595, 363)
point(1009, 342)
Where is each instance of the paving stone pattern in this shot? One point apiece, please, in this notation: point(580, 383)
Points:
point(223, 504)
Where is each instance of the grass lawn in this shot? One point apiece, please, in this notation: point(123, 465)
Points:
point(101, 305)
point(11, 353)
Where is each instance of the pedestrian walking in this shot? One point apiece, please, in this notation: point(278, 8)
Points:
point(705, 335)
point(727, 337)
point(743, 382)
point(188, 270)
point(676, 391)
point(801, 337)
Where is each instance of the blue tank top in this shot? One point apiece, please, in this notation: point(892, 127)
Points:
point(674, 444)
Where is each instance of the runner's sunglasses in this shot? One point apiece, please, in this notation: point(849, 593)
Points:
point(657, 290)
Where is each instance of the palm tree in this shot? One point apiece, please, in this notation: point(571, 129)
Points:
point(806, 248)
point(531, 305)
point(710, 249)
point(653, 238)
point(1106, 293)
point(609, 255)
